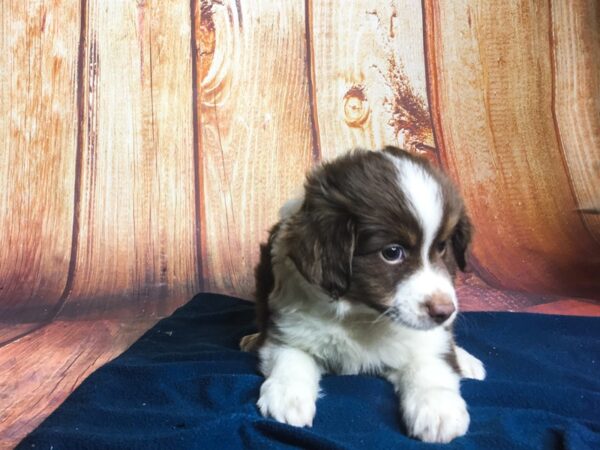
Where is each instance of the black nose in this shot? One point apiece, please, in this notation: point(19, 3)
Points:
point(439, 308)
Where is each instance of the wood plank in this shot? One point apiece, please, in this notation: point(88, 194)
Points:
point(9, 332)
point(576, 69)
point(568, 307)
point(476, 295)
point(370, 76)
point(39, 371)
point(254, 129)
point(136, 252)
point(38, 144)
point(491, 96)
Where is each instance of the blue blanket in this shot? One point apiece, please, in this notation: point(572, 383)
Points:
point(185, 385)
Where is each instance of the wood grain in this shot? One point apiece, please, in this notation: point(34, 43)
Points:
point(254, 129)
point(370, 76)
point(476, 295)
point(135, 254)
point(40, 370)
point(491, 94)
point(146, 161)
point(567, 307)
point(576, 68)
point(38, 144)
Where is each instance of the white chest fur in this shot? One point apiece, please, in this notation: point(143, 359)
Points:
point(346, 338)
point(356, 344)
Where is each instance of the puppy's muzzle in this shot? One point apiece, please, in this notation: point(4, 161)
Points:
point(439, 307)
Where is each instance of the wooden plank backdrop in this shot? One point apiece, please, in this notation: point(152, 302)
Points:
point(146, 147)
point(369, 76)
point(134, 252)
point(38, 147)
point(575, 60)
point(254, 128)
point(493, 101)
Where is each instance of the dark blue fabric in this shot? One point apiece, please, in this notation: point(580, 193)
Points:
point(185, 385)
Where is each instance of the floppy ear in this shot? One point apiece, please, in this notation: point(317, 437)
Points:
point(461, 238)
point(321, 245)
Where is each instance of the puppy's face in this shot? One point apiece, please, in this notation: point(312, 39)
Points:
point(383, 229)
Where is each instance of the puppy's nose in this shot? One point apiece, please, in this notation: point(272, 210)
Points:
point(439, 307)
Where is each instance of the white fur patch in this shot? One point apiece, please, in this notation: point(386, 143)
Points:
point(350, 337)
point(470, 367)
point(424, 196)
point(410, 294)
point(290, 392)
point(436, 415)
point(287, 401)
point(432, 406)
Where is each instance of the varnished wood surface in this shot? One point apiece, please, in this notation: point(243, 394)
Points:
point(135, 249)
point(147, 146)
point(369, 76)
point(575, 57)
point(38, 147)
point(568, 307)
point(254, 129)
point(492, 91)
point(177, 145)
point(40, 370)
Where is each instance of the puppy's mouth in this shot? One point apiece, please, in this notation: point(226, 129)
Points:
point(414, 320)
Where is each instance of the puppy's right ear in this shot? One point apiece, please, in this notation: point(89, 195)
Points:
point(321, 245)
point(461, 238)
point(321, 233)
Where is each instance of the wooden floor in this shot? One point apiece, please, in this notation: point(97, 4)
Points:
point(40, 369)
point(475, 295)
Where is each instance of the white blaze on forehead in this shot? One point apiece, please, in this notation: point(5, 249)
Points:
point(424, 196)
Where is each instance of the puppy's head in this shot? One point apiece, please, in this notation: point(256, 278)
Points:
point(383, 229)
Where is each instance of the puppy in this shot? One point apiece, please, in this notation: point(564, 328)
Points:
point(357, 277)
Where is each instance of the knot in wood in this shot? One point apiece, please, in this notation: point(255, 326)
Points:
point(356, 107)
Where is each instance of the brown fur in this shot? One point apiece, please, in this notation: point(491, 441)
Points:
point(352, 209)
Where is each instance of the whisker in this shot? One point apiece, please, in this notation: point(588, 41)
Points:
point(378, 318)
point(383, 314)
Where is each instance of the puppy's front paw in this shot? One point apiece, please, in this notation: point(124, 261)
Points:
point(470, 367)
point(436, 415)
point(288, 402)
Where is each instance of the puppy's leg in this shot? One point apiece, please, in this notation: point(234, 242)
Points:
point(432, 406)
point(249, 343)
point(290, 392)
point(470, 367)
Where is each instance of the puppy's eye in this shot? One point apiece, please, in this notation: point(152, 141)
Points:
point(393, 253)
point(441, 247)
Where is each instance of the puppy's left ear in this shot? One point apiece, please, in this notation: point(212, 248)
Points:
point(336, 242)
point(323, 251)
point(461, 238)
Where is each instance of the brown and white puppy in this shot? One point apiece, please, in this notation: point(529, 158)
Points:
point(357, 277)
